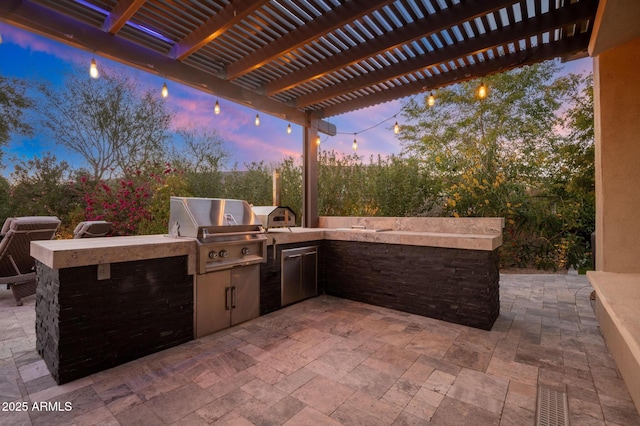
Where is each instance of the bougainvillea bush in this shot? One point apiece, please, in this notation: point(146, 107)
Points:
point(133, 201)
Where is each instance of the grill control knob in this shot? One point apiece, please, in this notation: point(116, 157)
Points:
point(213, 254)
point(223, 253)
point(245, 251)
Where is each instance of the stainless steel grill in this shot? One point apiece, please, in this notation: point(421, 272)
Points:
point(230, 245)
point(227, 232)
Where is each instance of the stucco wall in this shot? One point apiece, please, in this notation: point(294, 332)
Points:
point(617, 130)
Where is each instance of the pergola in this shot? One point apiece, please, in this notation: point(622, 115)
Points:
point(308, 60)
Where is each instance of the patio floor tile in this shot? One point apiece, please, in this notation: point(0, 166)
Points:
point(329, 361)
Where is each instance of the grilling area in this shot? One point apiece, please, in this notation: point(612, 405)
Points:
point(105, 301)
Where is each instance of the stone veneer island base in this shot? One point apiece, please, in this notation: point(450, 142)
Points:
point(93, 317)
point(455, 285)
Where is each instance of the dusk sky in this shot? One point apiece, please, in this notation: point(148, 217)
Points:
point(30, 56)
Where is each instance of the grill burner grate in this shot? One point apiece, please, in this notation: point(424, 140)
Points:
point(552, 409)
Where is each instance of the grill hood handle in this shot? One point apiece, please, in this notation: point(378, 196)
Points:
point(174, 230)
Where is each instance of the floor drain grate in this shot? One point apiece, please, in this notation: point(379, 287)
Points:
point(552, 408)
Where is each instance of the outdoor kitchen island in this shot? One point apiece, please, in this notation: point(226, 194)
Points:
point(443, 268)
point(105, 301)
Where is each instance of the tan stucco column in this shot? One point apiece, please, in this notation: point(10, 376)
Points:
point(617, 133)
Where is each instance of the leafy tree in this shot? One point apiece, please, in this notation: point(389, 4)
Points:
point(13, 103)
point(114, 126)
point(402, 188)
point(253, 184)
point(509, 155)
point(201, 155)
point(575, 185)
point(477, 145)
point(41, 187)
point(343, 186)
point(575, 154)
point(291, 185)
point(5, 199)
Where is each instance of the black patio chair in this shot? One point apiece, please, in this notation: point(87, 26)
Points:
point(17, 267)
point(92, 228)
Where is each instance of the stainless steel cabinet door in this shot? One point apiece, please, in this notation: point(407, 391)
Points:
point(213, 309)
point(245, 293)
point(310, 273)
point(291, 276)
point(299, 274)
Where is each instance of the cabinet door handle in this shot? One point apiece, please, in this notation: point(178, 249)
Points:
point(234, 297)
point(226, 298)
point(293, 256)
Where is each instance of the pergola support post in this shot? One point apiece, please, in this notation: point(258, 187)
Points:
point(310, 174)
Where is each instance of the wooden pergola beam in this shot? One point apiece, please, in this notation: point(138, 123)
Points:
point(120, 14)
point(233, 13)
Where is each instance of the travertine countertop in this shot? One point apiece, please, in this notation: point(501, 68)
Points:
point(58, 254)
point(412, 238)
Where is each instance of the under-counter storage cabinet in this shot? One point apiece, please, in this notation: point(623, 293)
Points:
point(225, 298)
point(299, 274)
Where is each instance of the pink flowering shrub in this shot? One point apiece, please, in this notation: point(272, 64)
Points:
point(129, 201)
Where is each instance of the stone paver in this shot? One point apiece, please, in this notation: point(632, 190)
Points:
point(328, 361)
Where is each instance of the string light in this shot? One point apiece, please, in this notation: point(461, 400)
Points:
point(289, 129)
point(431, 100)
point(396, 126)
point(93, 69)
point(318, 141)
point(165, 90)
point(216, 108)
point(482, 91)
point(257, 120)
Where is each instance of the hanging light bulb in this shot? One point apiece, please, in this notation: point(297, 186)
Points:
point(289, 129)
point(482, 91)
point(216, 108)
point(431, 100)
point(257, 120)
point(355, 144)
point(318, 141)
point(396, 128)
point(93, 69)
point(165, 90)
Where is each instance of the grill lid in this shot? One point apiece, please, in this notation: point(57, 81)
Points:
point(202, 217)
